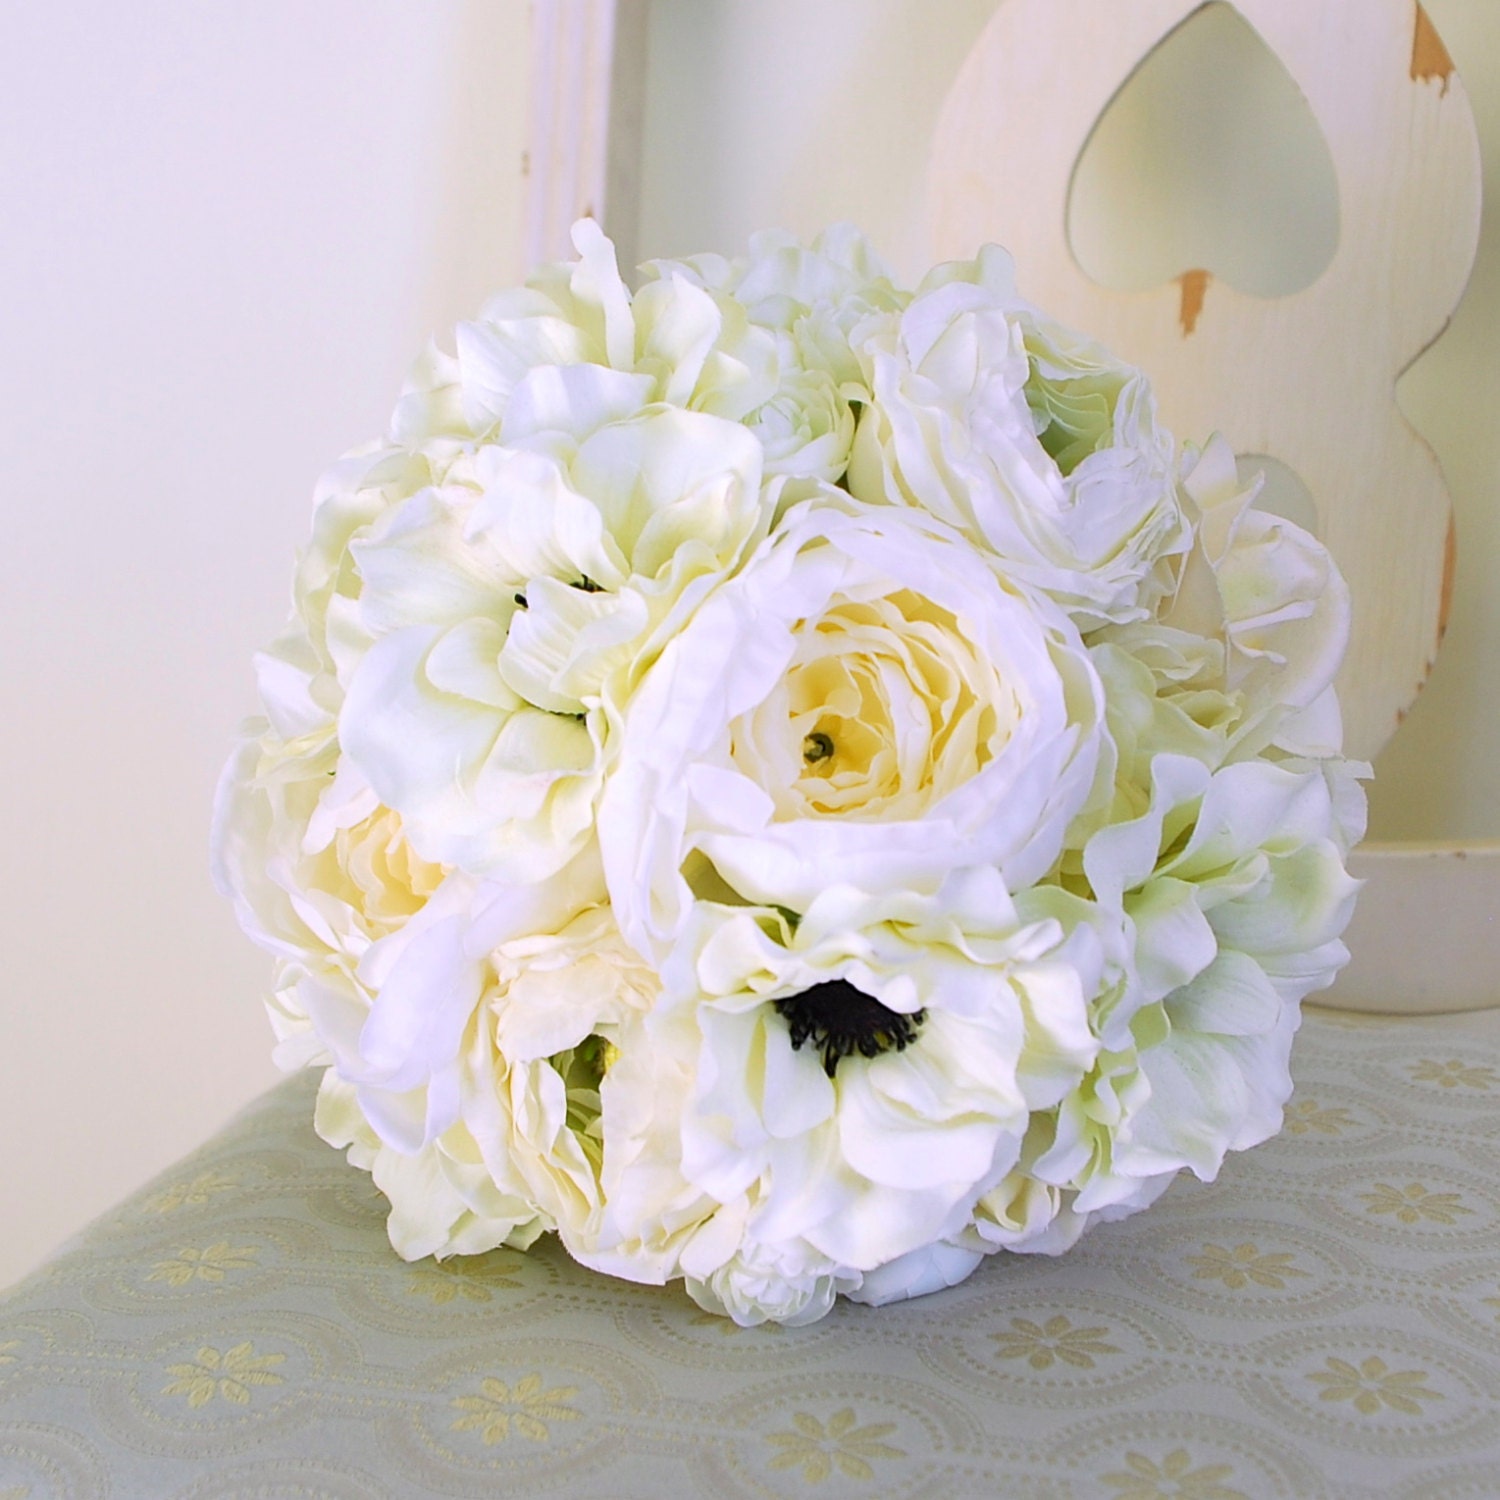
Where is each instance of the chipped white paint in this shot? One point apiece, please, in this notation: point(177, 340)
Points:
point(1426, 932)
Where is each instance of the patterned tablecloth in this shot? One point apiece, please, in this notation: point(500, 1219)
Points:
point(1322, 1321)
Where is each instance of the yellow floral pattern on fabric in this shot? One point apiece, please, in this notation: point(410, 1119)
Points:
point(230, 1375)
point(1304, 1116)
point(525, 1409)
point(727, 1329)
point(211, 1264)
point(817, 1448)
point(195, 1192)
point(1371, 1386)
point(1173, 1477)
point(1453, 1073)
point(471, 1278)
point(1043, 1345)
point(1244, 1265)
point(1414, 1203)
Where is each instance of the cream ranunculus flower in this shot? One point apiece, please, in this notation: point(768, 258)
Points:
point(381, 953)
point(1036, 443)
point(849, 1085)
point(863, 703)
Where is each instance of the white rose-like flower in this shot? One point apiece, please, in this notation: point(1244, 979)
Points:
point(567, 313)
point(759, 1284)
point(444, 1198)
point(322, 876)
point(463, 1025)
point(817, 293)
point(695, 345)
point(799, 303)
point(864, 703)
point(1036, 443)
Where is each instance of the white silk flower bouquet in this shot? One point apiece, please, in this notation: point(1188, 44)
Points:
point(790, 783)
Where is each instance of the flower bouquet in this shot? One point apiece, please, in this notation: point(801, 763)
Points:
point(790, 783)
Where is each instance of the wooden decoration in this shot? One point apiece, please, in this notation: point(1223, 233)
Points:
point(1308, 379)
point(588, 90)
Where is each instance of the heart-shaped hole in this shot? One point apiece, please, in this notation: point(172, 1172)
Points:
point(1208, 158)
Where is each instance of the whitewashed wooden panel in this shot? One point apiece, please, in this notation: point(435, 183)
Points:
point(587, 80)
point(1307, 378)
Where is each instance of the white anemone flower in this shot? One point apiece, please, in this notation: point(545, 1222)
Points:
point(847, 1086)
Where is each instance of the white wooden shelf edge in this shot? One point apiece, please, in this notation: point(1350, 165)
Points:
point(1425, 937)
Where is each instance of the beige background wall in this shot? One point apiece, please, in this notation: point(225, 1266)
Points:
point(226, 229)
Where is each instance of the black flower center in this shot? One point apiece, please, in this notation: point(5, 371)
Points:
point(817, 746)
point(840, 1020)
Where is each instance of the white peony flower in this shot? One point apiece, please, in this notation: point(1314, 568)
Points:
point(567, 314)
point(505, 610)
point(863, 702)
point(382, 955)
point(444, 1199)
point(762, 361)
point(1234, 887)
point(1034, 442)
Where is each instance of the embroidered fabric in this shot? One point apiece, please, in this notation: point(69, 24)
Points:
point(1322, 1321)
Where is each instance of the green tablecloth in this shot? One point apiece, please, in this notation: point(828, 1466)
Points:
point(1322, 1321)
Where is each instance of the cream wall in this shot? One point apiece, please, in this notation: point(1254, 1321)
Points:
point(225, 230)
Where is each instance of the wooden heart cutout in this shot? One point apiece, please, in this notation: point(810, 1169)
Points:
point(1208, 157)
point(1307, 378)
